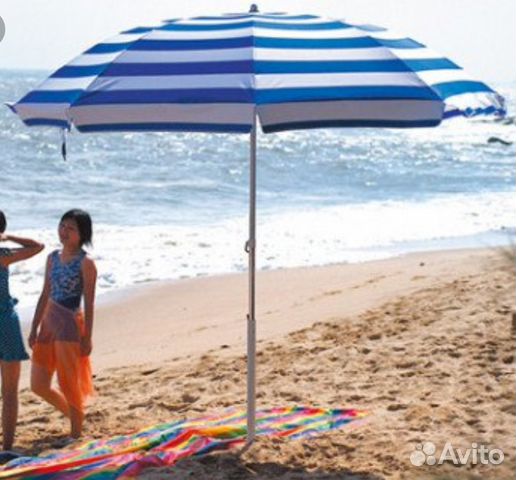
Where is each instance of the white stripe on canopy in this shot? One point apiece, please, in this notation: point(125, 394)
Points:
point(71, 83)
point(227, 113)
point(260, 54)
point(94, 59)
point(365, 110)
point(256, 18)
point(295, 80)
point(344, 33)
point(56, 111)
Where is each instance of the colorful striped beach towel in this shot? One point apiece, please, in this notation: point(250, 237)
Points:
point(124, 457)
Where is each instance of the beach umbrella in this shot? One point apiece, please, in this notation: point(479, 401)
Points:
point(224, 74)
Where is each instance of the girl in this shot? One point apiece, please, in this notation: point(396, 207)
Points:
point(61, 336)
point(12, 350)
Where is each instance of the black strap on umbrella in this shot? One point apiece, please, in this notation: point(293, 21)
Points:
point(63, 143)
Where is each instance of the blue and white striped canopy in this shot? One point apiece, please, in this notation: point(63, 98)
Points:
point(213, 74)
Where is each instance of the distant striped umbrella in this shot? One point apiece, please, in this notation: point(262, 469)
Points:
point(218, 74)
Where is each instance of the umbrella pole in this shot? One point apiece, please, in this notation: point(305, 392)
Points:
point(251, 323)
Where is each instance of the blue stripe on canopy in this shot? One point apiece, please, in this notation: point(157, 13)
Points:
point(52, 96)
point(76, 71)
point(401, 43)
point(220, 18)
point(371, 28)
point(350, 66)
point(109, 47)
point(139, 30)
point(166, 127)
point(211, 73)
point(248, 66)
point(207, 95)
point(270, 16)
point(448, 89)
point(330, 43)
point(248, 96)
point(258, 24)
point(423, 64)
point(46, 122)
point(343, 93)
point(180, 27)
point(217, 44)
point(263, 42)
point(365, 123)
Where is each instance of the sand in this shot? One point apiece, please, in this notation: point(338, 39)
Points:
point(424, 342)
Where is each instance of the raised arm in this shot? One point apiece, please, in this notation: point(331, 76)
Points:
point(89, 280)
point(42, 303)
point(29, 249)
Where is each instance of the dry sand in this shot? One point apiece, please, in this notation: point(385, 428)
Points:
point(424, 342)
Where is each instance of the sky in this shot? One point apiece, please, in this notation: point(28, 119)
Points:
point(479, 35)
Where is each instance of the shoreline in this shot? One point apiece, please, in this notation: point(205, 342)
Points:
point(502, 238)
point(496, 239)
point(179, 322)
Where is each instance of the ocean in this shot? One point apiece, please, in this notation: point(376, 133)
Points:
point(175, 205)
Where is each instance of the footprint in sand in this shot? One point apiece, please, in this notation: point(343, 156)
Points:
point(417, 277)
point(173, 407)
point(509, 408)
point(133, 406)
point(291, 397)
point(332, 292)
point(40, 419)
point(454, 354)
point(356, 398)
point(472, 422)
point(188, 397)
point(406, 365)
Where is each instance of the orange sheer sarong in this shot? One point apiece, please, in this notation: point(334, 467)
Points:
point(57, 349)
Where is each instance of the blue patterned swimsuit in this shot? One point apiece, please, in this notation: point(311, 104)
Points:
point(66, 280)
point(60, 320)
point(11, 342)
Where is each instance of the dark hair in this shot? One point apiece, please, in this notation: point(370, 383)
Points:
point(3, 222)
point(83, 221)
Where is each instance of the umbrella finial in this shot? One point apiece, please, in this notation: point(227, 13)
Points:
point(254, 8)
